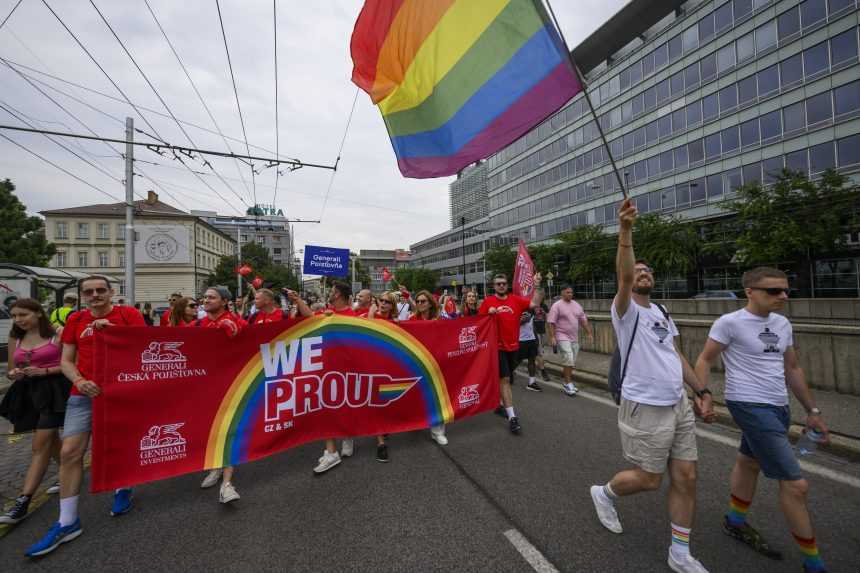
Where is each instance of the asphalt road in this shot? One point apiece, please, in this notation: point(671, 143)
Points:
point(489, 501)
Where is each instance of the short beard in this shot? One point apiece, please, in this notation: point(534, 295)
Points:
point(643, 290)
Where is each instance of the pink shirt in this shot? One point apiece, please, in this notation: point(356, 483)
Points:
point(45, 356)
point(566, 318)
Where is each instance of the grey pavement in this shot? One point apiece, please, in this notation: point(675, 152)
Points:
point(435, 508)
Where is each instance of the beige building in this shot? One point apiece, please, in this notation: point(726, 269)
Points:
point(174, 252)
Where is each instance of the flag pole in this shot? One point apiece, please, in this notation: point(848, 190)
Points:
point(588, 100)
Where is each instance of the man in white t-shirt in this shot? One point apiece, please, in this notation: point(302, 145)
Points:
point(529, 348)
point(757, 346)
point(565, 318)
point(655, 420)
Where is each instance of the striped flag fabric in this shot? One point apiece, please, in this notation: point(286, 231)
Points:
point(457, 80)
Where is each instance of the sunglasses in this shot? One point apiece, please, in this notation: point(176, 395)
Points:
point(383, 301)
point(92, 291)
point(643, 270)
point(773, 291)
point(422, 301)
point(192, 305)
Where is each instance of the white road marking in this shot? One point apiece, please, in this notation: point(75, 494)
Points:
point(810, 467)
point(529, 552)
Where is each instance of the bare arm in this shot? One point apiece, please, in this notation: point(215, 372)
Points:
point(707, 359)
point(796, 380)
point(538, 295)
point(300, 304)
point(551, 329)
point(586, 326)
point(625, 260)
point(704, 405)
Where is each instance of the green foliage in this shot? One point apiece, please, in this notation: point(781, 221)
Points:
point(588, 252)
point(258, 258)
point(669, 244)
point(416, 279)
point(22, 238)
point(500, 260)
point(794, 219)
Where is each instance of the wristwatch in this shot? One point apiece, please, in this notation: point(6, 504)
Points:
point(701, 393)
point(814, 411)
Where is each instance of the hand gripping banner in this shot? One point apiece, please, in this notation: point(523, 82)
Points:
point(180, 400)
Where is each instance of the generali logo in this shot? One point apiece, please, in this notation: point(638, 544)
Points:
point(468, 340)
point(468, 396)
point(162, 444)
point(161, 361)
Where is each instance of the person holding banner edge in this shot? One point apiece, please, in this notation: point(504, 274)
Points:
point(77, 365)
point(507, 308)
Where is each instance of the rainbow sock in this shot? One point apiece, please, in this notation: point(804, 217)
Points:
point(680, 540)
point(737, 514)
point(812, 559)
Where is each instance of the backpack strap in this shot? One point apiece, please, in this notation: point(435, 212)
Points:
point(629, 348)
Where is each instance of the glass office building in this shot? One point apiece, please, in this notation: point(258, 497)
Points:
point(695, 98)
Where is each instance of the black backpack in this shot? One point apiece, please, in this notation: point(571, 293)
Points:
point(616, 370)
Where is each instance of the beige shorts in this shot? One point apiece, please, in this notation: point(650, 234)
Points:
point(568, 350)
point(652, 435)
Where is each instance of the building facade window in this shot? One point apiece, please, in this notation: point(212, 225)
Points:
point(103, 260)
point(61, 259)
point(61, 230)
point(103, 231)
point(83, 259)
point(120, 231)
point(83, 231)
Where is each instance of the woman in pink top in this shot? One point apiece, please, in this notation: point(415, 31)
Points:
point(37, 398)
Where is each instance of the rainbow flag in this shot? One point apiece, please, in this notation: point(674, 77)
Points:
point(457, 80)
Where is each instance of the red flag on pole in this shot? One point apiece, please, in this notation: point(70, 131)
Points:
point(524, 271)
point(386, 275)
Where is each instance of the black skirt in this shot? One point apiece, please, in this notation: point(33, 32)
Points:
point(27, 398)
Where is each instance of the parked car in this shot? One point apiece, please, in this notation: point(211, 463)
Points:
point(724, 294)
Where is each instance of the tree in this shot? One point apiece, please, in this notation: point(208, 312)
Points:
point(589, 254)
point(416, 278)
point(22, 238)
point(500, 260)
point(794, 219)
point(671, 246)
point(257, 257)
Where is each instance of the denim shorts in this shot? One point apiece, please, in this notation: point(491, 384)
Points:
point(79, 416)
point(765, 438)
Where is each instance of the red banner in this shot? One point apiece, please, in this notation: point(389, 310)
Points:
point(180, 400)
point(524, 272)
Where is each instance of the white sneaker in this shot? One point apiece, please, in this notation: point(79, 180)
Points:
point(687, 565)
point(570, 389)
point(605, 510)
point(228, 493)
point(438, 435)
point(211, 478)
point(327, 461)
point(54, 488)
point(347, 448)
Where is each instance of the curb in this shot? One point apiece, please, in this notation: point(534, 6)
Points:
point(841, 446)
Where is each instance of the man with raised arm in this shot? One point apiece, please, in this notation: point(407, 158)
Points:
point(655, 419)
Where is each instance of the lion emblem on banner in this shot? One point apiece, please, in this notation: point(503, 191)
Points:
point(163, 436)
point(163, 352)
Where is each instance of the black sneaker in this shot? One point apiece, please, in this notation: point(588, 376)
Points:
point(534, 387)
point(500, 411)
point(748, 535)
point(17, 512)
point(382, 453)
point(545, 375)
point(514, 424)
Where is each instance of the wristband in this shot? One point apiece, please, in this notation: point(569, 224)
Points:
point(814, 412)
point(701, 393)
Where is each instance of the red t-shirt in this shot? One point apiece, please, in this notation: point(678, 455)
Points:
point(165, 319)
point(264, 318)
point(345, 311)
point(508, 312)
point(79, 333)
point(226, 321)
point(417, 316)
point(389, 319)
point(362, 312)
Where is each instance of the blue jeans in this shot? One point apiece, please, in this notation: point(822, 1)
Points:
point(765, 438)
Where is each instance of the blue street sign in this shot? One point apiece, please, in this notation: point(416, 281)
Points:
point(326, 261)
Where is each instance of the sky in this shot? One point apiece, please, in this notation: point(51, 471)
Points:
point(367, 204)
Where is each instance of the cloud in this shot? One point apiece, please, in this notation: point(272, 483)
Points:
point(370, 204)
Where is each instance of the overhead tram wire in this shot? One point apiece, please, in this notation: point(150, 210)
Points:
point(339, 151)
point(158, 95)
point(150, 110)
point(199, 96)
point(236, 93)
point(116, 152)
point(9, 15)
point(63, 169)
point(157, 136)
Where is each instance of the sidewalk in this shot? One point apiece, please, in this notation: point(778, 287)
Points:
point(839, 410)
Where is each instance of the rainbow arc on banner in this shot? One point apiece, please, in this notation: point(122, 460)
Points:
point(231, 429)
point(457, 80)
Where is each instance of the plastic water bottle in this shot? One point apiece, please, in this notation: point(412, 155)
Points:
point(808, 442)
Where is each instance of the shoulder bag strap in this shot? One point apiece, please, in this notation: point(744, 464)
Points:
point(629, 348)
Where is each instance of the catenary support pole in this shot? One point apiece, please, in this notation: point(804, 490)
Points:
point(129, 211)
